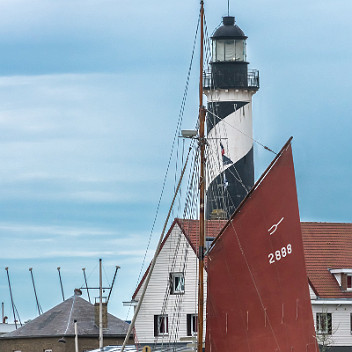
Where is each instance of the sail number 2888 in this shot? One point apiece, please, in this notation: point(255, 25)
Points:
point(280, 254)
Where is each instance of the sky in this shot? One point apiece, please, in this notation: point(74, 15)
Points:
point(90, 93)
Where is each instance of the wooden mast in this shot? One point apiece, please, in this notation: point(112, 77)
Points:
point(201, 188)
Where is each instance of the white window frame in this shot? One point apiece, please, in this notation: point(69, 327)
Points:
point(194, 324)
point(162, 320)
point(177, 282)
point(323, 318)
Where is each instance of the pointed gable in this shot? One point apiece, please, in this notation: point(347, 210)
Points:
point(190, 229)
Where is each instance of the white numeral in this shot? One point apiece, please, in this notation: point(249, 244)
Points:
point(283, 251)
point(280, 254)
point(271, 258)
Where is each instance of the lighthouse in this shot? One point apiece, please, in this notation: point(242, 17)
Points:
point(229, 87)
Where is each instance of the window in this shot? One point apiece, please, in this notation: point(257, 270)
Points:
point(324, 323)
point(177, 283)
point(349, 282)
point(161, 325)
point(208, 242)
point(192, 324)
point(229, 50)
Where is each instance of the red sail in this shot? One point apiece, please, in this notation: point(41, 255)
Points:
point(258, 295)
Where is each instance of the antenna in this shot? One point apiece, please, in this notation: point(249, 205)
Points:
point(14, 309)
point(40, 311)
point(85, 280)
point(228, 7)
point(113, 281)
point(62, 288)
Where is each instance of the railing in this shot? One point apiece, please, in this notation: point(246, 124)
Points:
point(252, 81)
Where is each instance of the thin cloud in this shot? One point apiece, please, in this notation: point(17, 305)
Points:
point(53, 230)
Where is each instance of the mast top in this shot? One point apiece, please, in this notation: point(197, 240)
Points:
point(228, 29)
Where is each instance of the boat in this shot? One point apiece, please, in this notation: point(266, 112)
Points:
point(257, 290)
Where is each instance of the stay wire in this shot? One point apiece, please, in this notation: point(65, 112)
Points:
point(245, 134)
point(180, 251)
point(171, 153)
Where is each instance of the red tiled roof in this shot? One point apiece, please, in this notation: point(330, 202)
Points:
point(327, 246)
point(191, 230)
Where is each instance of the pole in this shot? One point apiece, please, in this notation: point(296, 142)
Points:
point(35, 292)
point(112, 284)
point(100, 306)
point(201, 188)
point(85, 280)
point(3, 312)
point(76, 336)
point(62, 288)
point(13, 306)
point(152, 264)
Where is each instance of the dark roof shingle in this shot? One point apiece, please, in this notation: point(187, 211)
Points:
point(59, 321)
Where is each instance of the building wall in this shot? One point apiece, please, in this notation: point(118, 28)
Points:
point(52, 343)
point(341, 323)
point(175, 256)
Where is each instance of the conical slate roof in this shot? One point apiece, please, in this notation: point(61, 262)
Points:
point(59, 321)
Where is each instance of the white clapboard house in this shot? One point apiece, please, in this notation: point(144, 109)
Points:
point(169, 310)
point(328, 253)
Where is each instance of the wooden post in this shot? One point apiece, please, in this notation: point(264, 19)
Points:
point(201, 188)
point(100, 306)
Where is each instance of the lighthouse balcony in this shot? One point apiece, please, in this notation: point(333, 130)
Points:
point(221, 79)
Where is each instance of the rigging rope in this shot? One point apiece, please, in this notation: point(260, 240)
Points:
point(245, 134)
point(179, 122)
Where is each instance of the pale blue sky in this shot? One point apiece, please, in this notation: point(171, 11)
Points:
point(89, 99)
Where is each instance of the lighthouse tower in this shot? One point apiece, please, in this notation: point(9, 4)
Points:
point(229, 87)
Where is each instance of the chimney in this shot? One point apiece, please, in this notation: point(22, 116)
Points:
point(105, 312)
point(77, 292)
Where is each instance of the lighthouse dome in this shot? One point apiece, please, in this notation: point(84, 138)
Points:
point(228, 29)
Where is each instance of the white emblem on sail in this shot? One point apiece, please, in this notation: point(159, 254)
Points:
point(273, 228)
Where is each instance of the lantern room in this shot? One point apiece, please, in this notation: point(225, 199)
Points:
point(229, 66)
point(228, 42)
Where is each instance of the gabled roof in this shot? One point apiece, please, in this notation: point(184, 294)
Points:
point(59, 322)
point(190, 228)
point(327, 246)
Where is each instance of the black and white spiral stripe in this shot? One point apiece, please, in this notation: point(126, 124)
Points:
point(230, 154)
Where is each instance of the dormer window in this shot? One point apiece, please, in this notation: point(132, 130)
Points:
point(208, 242)
point(349, 282)
point(343, 277)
